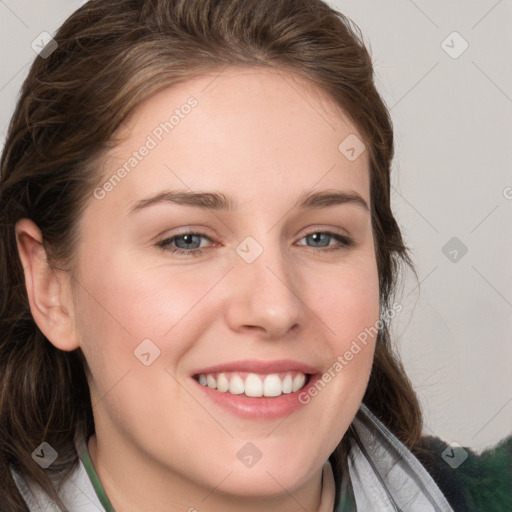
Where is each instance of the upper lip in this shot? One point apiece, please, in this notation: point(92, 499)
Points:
point(259, 366)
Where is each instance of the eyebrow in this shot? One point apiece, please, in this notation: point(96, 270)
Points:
point(218, 201)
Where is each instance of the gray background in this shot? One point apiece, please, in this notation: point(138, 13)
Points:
point(451, 178)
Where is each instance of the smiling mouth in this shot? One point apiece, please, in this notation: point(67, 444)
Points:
point(254, 385)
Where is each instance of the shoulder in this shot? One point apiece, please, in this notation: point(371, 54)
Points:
point(435, 474)
point(470, 481)
point(76, 492)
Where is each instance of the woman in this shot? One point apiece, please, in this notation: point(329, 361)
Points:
point(199, 259)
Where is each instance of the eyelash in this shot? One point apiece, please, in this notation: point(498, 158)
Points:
point(165, 245)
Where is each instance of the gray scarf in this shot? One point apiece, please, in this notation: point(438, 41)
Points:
point(385, 475)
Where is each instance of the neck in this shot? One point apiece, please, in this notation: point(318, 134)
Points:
point(133, 483)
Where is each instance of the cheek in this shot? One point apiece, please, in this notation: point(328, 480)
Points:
point(116, 310)
point(122, 300)
point(134, 327)
point(347, 302)
point(121, 305)
point(346, 299)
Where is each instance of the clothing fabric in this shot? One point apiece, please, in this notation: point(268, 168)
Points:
point(383, 476)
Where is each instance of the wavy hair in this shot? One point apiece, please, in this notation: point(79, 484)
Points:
point(110, 57)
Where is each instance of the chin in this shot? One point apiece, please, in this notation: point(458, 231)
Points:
point(263, 482)
point(271, 470)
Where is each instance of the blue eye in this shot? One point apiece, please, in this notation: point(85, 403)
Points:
point(190, 244)
point(322, 239)
point(186, 243)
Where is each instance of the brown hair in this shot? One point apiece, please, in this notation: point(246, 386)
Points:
point(111, 56)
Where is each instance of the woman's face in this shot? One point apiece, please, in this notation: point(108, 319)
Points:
point(221, 250)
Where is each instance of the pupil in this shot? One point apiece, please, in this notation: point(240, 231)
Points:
point(319, 237)
point(187, 241)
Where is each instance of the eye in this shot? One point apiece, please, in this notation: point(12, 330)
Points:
point(323, 239)
point(184, 243)
point(191, 244)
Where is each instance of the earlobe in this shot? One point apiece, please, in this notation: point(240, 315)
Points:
point(48, 289)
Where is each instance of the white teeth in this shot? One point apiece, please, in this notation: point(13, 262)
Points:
point(254, 385)
point(236, 385)
point(272, 386)
point(222, 383)
point(211, 382)
point(288, 384)
point(298, 381)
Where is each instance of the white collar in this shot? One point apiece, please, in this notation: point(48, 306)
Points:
point(385, 475)
point(76, 492)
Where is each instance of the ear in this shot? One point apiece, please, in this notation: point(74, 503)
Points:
point(48, 289)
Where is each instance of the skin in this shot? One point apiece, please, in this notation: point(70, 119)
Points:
point(262, 138)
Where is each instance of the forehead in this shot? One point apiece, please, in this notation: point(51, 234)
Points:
point(249, 132)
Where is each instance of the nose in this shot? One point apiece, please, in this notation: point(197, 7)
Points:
point(264, 296)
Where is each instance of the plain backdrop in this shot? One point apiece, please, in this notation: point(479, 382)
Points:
point(445, 71)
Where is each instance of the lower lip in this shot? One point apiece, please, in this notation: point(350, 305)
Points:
point(264, 408)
